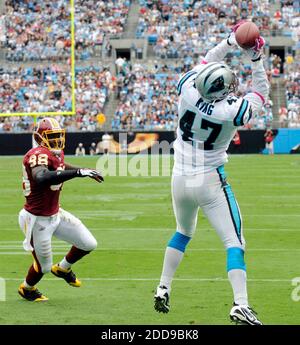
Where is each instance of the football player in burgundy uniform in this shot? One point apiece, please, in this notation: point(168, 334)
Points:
point(44, 172)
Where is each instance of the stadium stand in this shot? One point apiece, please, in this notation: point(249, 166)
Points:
point(147, 98)
point(96, 22)
point(34, 89)
point(141, 94)
point(37, 30)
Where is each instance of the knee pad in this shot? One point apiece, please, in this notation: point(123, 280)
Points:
point(179, 241)
point(235, 259)
point(93, 244)
point(90, 245)
point(43, 254)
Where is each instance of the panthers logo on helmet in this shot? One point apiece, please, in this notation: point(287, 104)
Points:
point(215, 81)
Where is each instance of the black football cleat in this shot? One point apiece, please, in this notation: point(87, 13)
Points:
point(161, 300)
point(32, 294)
point(68, 275)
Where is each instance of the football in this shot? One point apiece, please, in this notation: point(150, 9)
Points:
point(246, 35)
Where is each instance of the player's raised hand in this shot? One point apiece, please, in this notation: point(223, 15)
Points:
point(94, 174)
point(255, 52)
point(231, 40)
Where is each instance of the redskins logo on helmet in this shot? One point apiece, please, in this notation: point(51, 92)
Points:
point(49, 134)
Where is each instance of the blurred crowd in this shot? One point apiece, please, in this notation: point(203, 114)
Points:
point(49, 89)
point(96, 22)
point(179, 28)
point(147, 98)
point(287, 20)
point(187, 28)
point(146, 93)
point(28, 89)
point(37, 30)
point(290, 116)
point(41, 30)
point(93, 86)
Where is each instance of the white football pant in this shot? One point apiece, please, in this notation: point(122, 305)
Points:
point(63, 225)
point(213, 195)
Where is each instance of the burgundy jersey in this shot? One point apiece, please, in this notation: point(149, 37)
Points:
point(41, 200)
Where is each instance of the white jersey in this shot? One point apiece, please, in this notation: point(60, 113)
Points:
point(205, 129)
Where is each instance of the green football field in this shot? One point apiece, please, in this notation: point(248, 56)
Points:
point(132, 219)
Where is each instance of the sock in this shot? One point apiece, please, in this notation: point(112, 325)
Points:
point(173, 256)
point(238, 280)
point(27, 286)
point(172, 260)
point(33, 277)
point(64, 264)
point(75, 254)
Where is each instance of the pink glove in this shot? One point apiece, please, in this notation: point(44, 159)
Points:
point(231, 38)
point(259, 43)
point(255, 52)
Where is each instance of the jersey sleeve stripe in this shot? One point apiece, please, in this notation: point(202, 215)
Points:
point(260, 96)
point(238, 120)
point(183, 80)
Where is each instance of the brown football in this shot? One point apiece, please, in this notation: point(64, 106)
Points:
point(246, 34)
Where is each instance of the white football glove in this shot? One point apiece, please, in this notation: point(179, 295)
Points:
point(94, 174)
point(255, 53)
point(231, 41)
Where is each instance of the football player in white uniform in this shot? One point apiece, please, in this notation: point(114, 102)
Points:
point(209, 115)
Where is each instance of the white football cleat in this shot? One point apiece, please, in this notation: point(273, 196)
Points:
point(161, 299)
point(243, 314)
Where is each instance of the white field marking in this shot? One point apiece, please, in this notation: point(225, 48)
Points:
point(266, 280)
point(200, 230)
point(104, 229)
point(167, 202)
point(294, 250)
point(296, 196)
point(125, 196)
point(264, 184)
point(55, 242)
point(16, 246)
point(124, 215)
point(28, 253)
point(138, 185)
point(144, 215)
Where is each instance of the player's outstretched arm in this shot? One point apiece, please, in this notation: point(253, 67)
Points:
point(42, 175)
point(219, 52)
point(71, 167)
point(96, 175)
point(244, 108)
point(260, 83)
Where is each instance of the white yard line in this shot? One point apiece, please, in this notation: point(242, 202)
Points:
point(104, 229)
point(279, 250)
point(157, 279)
point(121, 214)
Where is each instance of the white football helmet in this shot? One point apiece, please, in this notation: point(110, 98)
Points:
point(215, 81)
